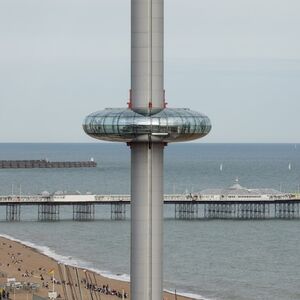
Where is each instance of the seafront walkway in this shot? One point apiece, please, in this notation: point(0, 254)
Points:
point(186, 206)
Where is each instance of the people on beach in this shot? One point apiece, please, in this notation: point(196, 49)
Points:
point(14, 266)
point(104, 289)
point(4, 294)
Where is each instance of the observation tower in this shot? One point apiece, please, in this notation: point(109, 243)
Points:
point(147, 126)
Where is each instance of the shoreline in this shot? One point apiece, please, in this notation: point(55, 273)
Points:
point(50, 260)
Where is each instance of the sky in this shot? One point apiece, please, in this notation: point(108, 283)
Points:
point(237, 61)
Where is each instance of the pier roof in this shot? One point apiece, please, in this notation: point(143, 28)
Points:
point(239, 190)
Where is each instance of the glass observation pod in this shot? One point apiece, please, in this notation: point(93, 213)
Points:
point(168, 125)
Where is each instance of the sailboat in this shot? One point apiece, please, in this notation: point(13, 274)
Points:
point(290, 166)
point(221, 167)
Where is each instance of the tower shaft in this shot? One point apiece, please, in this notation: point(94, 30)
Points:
point(147, 97)
point(147, 67)
point(146, 221)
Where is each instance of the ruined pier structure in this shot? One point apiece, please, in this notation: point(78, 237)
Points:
point(43, 163)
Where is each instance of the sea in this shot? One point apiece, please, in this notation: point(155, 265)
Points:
point(205, 259)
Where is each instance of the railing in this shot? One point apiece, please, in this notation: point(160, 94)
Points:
point(36, 199)
point(112, 198)
point(23, 199)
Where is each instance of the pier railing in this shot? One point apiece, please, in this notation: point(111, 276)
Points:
point(112, 198)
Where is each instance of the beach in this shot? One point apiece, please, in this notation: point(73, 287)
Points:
point(25, 271)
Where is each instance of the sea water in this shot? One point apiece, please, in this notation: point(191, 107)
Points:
point(217, 259)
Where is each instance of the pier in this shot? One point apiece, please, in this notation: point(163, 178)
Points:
point(186, 207)
point(43, 163)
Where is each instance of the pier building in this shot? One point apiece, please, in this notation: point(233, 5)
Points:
point(238, 192)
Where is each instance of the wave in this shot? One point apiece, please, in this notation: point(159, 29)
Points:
point(193, 296)
point(74, 262)
point(188, 295)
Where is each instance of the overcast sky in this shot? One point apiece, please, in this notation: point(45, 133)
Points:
point(238, 61)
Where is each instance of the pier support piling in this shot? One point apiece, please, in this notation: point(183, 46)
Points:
point(84, 212)
point(48, 212)
point(287, 210)
point(13, 212)
point(118, 211)
point(236, 211)
point(186, 211)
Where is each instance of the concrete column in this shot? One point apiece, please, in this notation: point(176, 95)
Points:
point(147, 67)
point(146, 221)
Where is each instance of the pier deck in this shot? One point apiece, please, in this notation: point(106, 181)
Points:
point(185, 207)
